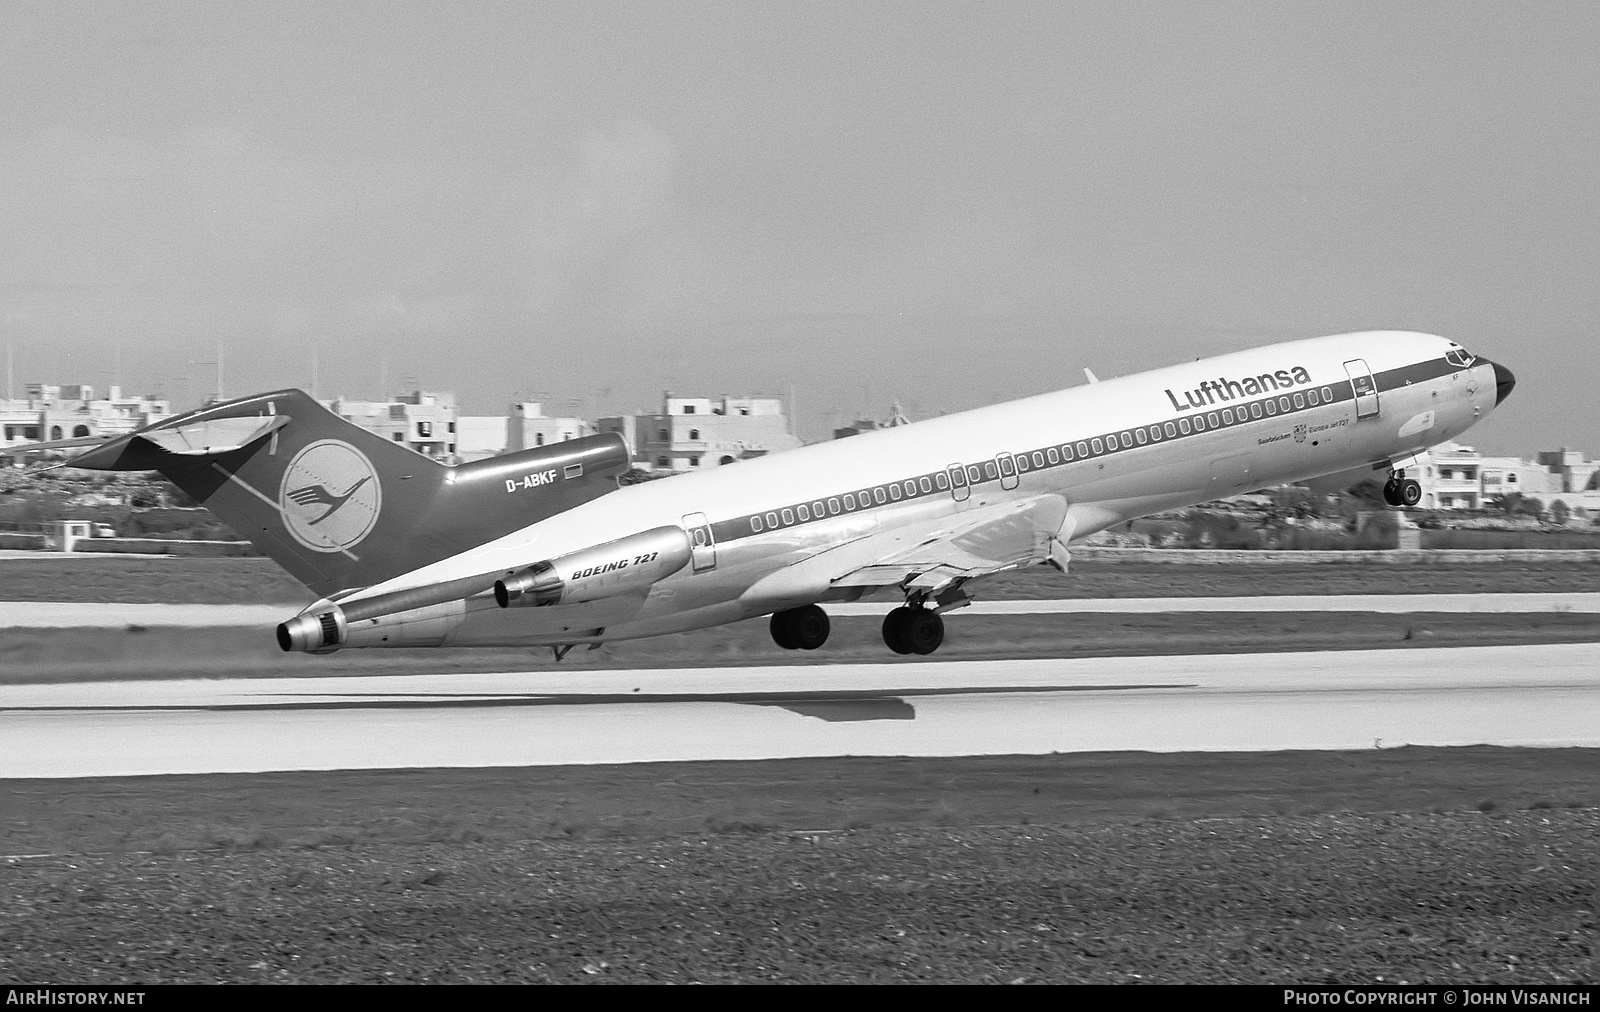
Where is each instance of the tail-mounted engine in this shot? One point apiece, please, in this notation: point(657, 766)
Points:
point(425, 616)
point(626, 566)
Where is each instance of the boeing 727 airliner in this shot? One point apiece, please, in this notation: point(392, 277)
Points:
point(541, 547)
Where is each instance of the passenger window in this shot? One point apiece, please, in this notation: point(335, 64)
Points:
point(1022, 462)
point(818, 510)
point(1127, 440)
point(1066, 451)
point(1007, 466)
point(804, 513)
point(974, 475)
point(1183, 423)
point(866, 497)
point(991, 471)
point(1299, 401)
point(1327, 394)
point(958, 476)
point(1272, 407)
point(911, 488)
point(941, 481)
point(1038, 458)
point(1199, 423)
point(927, 486)
point(788, 517)
point(833, 506)
point(1283, 402)
point(1255, 410)
point(1083, 449)
point(878, 495)
point(1211, 420)
point(1111, 442)
point(894, 492)
point(849, 501)
point(1311, 395)
point(1172, 430)
point(1155, 432)
point(1098, 444)
point(772, 519)
point(755, 524)
point(1140, 436)
point(1227, 416)
point(1055, 458)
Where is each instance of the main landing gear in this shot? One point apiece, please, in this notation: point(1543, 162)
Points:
point(913, 630)
point(1400, 490)
point(800, 628)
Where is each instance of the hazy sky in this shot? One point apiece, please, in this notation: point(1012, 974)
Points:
point(948, 204)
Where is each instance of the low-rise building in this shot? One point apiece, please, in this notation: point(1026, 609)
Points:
point(1457, 476)
point(695, 432)
point(528, 426)
point(420, 420)
point(50, 412)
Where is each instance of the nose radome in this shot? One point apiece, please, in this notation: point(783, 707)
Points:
point(1504, 382)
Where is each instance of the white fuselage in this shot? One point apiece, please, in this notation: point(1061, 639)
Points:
point(1114, 450)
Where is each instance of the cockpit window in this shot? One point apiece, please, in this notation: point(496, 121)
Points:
point(1460, 357)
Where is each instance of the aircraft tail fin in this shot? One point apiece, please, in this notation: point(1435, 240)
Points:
point(341, 507)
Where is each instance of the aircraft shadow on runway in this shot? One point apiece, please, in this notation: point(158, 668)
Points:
point(828, 705)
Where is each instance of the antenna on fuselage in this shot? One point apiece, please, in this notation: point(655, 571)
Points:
point(1088, 374)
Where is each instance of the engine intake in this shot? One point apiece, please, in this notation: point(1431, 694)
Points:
point(625, 566)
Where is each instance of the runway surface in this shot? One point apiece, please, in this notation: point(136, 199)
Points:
point(1546, 695)
point(53, 615)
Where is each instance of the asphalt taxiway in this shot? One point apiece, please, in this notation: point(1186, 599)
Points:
point(1541, 695)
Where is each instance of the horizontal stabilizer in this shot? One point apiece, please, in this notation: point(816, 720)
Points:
point(215, 435)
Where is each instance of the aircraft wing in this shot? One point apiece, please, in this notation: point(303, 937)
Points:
point(975, 543)
point(934, 554)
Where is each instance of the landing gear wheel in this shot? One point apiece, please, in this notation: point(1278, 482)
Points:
point(1391, 492)
point(913, 631)
point(1410, 492)
point(894, 630)
point(804, 628)
point(782, 631)
point(809, 627)
point(924, 631)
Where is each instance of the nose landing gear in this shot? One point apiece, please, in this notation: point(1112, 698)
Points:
point(909, 630)
point(800, 628)
point(1400, 490)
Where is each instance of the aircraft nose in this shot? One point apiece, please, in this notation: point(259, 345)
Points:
point(1504, 382)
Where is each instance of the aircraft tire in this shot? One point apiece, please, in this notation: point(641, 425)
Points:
point(809, 627)
point(924, 631)
point(782, 629)
point(1391, 492)
point(894, 630)
point(1410, 492)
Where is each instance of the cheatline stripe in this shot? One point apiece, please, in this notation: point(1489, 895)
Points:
point(1235, 413)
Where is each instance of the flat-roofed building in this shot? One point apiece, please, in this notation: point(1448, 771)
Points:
point(694, 432)
point(73, 411)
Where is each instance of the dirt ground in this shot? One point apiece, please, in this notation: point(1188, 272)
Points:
point(1405, 865)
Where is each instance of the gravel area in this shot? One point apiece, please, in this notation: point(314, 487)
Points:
point(1423, 865)
point(1464, 897)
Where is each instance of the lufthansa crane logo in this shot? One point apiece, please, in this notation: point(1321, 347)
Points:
point(330, 496)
